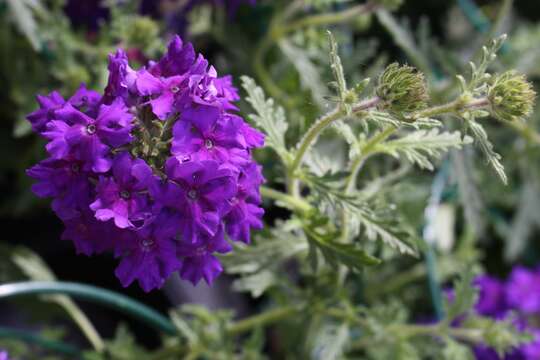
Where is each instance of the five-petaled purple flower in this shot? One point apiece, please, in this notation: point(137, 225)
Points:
point(158, 170)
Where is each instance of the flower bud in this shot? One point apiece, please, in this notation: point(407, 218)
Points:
point(402, 89)
point(511, 96)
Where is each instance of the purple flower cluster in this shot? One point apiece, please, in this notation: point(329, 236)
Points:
point(519, 294)
point(157, 171)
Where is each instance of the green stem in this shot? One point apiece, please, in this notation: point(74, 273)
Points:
point(93, 294)
point(294, 203)
point(356, 165)
point(314, 132)
point(58, 346)
point(405, 331)
point(265, 318)
point(329, 18)
point(82, 321)
point(525, 131)
point(369, 148)
point(262, 73)
point(456, 106)
point(239, 327)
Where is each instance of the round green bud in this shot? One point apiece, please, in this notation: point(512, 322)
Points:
point(402, 89)
point(511, 96)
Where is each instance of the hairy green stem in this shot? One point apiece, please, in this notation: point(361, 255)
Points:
point(405, 331)
point(329, 18)
point(456, 106)
point(82, 322)
point(356, 165)
point(292, 202)
point(459, 104)
point(265, 318)
point(314, 132)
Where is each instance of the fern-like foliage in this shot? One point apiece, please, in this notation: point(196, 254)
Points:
point(420, 146)
point(269, 117)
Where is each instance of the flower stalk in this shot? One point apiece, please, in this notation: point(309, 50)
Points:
point(313, 133)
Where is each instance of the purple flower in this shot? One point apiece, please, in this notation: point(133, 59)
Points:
point(121, 197)
point(66, 181)
point(159, 195)
point(226, 90)
point(200, 190)
point(47, 106)
point(177, 61)
point(491, 300)
point(91, 236)
point(203, 134)
point(89, 139)
point(198, 261)
point(121, 78)
point(4, 355)
point(150, 255)
point(531, 351)
point(166, 90)
point(523, 289)
point(246, 214)
point(86, 101)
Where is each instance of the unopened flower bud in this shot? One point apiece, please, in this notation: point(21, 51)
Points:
point(402, 89)
point(511, 96)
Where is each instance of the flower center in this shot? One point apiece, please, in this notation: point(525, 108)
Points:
point(84, 99)
point(233, 201)
point(147, 244)
point(75, 168)
point(124, 194)
point(209, 144)
point(91, 129)
point(175, 89)
point(186, 158)
point(193, 194)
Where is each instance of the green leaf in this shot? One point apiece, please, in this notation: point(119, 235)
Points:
point(329, 342)
point(328, 189)
point(385, 228)
point(257, 283)
point(340, 253)
point(268, 250)
point(418, 147)
point(465, 295)
point(453, 350)
point(22, 12)
point(308, 72)
point(124, 346)
point(493, 158)
point(339, 76)
point(478, 72)
point(502, 335)
point(269, 117)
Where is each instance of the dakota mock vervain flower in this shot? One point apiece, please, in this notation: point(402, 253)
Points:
point(157, 171)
